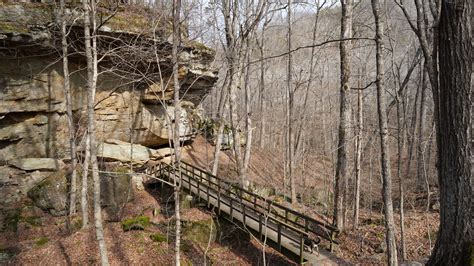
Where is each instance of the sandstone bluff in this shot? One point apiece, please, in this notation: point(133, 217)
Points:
point(134, 90)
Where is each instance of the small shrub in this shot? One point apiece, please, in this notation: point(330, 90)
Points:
point(136, 223)
point(41, 241)
point(158, 237)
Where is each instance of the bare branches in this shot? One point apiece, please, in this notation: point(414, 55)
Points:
point(313, 45)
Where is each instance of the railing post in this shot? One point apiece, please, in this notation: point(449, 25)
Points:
point(279, 236)
point(231, 209)
point(243, 214)
point(208, 203)
point(260, 225)
point(219, 196)
point(286, 216)
point(331, 246)
point(199, 191)
point(301, 248)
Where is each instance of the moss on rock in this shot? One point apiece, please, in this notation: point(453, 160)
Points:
point(136, 223)
point(158, 237)
point(199, 232)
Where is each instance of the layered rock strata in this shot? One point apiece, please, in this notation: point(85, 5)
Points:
point(134, 89)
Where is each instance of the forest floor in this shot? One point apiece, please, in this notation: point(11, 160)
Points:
point(47, 241)
point(50, 243)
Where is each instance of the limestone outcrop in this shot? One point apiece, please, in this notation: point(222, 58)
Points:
point(134, 90)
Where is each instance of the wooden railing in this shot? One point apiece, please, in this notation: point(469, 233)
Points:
point(217, 192)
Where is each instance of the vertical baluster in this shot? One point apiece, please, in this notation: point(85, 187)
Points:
point(260, 226)
point(243, 214)
point(219, 196)
point(301, 248)
point(279, 236)
point(331, 246)
point(208, 201)
point(231, 216)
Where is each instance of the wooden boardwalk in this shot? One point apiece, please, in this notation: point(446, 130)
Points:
point(283, 228)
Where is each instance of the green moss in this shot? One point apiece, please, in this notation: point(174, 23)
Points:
point(199, 232)
point(34, 221)
point(7, 27)
point(12, 220)
point(41, 241)
point(157, 237)
point(136, 223)
point(77, 224)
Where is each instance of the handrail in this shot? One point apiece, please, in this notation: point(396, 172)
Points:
point(333, 231)
point(227, 193)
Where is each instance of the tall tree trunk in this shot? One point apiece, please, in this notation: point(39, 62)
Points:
point(248, 117)
point(220, 131)
point(420, 178)
point(400, 143)
point(345, 115)
point(177, 125)
point(360, 126)
point(91, 56)
point(84, 188)
point(70, 119)
point(384, 146)
point(290, 149)
point(454, 244)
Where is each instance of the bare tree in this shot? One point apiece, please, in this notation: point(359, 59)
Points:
point(385, 153)
point(342, 171)
point(177, 125)
point(92, 73)
point(70, 119)
point(454, 243)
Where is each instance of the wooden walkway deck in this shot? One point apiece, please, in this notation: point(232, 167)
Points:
point(284, 228)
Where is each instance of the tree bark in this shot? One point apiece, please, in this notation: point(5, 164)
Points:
point(400, 144)
point(360, 127)
point(454, 244)
point(345, 115)
point(290, 149)
point(177, 125)
point(84, 188)
point(420, 177)
point(385, 153)
point(91, 56)
point(70, 120)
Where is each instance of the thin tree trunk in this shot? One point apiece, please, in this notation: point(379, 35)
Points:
point(345, 115)
point(91, 55)
point(420, 179)
point(360, 126)
point(84, 188)
point(70, 120)
point(400, 143)
point(290, 149)
point(454, 244)
point(248, 122)
point(177, 124)
point(220, 131)
point(384, 146)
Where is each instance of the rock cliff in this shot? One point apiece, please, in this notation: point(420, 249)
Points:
point(134, 91)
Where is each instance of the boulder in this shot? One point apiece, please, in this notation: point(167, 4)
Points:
point(32, 164)
point(124, 152)
point(51, 194)
point(116, 191)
